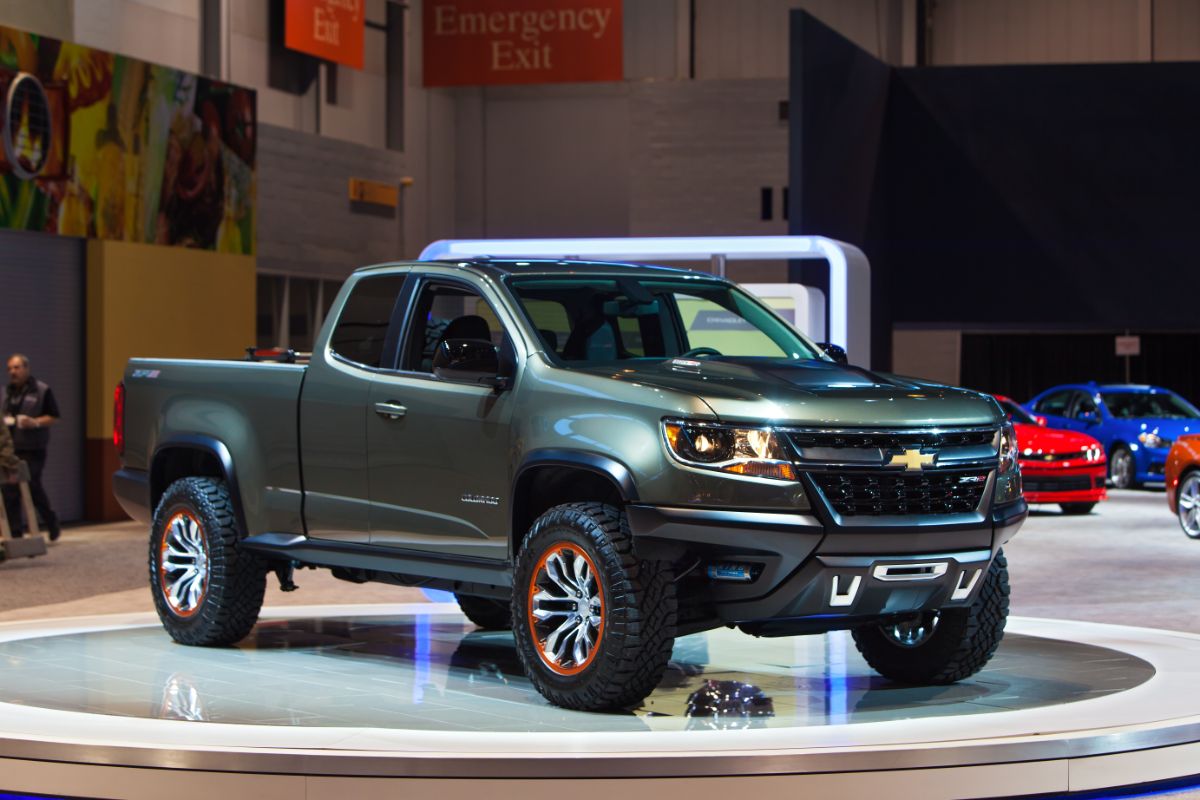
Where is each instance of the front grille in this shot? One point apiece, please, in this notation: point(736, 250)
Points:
point(1042, 457)
point(892, 440)
point(897, 493)
point(1059, 483)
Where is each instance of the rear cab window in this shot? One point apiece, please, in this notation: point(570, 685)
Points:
point(362, 331)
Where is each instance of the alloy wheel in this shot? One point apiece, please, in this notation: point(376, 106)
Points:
point(183, 564)
point(1189, 505)
point(1122, 469)
point(566, 609)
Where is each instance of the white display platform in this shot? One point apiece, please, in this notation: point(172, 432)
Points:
point(366, 701)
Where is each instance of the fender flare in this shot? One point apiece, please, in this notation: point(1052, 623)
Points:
point(604, 466)
point(205, 444)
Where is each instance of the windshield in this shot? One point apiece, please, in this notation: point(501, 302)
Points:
point(600, 320)
point(1160, 405)
point(1016, 413)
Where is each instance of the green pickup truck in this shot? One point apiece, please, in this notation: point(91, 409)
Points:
point(601, 457)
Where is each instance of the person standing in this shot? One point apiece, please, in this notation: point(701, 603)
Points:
point(29, 411)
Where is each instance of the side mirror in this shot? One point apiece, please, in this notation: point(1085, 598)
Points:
point(1040, 420)
point(1090, 417)
point(834, 351)
point(469, 361)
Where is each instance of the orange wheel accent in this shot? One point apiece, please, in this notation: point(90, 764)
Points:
point(183, 564)
point(565, 609)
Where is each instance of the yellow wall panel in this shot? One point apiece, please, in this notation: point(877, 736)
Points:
point(160, 302)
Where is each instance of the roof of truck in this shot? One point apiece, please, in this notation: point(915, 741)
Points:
point(548, 266)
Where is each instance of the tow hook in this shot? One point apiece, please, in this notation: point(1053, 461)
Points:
point(284, 573)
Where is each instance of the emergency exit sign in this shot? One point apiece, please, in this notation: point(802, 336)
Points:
point(1129, 345)
point(330, 29)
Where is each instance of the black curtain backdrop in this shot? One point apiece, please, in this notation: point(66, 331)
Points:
point(1022, 364)
point(1049, 198)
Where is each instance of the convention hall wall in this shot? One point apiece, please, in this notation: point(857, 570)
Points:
point(693, 140)
point(41, 315)
point(1004, 198)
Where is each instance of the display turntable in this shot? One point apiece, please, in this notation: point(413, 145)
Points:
point(358, 701)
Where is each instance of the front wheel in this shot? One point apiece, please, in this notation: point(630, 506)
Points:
point(945, 646)
point(206, 590)
point(1122, 469)
point(594, 625)
point(1188, 504)
point(1076, 509)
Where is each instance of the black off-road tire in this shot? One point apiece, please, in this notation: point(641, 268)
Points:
point(634, 645)
point(964, 640)
point(486, 613)
point(236, 580)
point(1076, 509)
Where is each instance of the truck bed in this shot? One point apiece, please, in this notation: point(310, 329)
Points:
point(218, 402)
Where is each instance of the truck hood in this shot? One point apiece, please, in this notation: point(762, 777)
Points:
point(786, 391)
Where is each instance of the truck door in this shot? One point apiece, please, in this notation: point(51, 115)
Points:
point(333, 410)
point(438, 451)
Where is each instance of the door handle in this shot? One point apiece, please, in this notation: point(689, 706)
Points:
point(391, 410)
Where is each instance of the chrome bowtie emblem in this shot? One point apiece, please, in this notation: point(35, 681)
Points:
point(912, 460)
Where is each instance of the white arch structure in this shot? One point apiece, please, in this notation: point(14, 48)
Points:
point(849, 270)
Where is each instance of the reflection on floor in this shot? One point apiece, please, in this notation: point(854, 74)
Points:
point(431, 672)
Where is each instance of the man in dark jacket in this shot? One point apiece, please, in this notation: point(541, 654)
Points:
point(29, 411)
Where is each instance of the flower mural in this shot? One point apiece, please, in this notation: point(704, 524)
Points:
point(110, 147)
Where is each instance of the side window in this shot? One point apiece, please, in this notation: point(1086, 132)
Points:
point(447, 311)
point(362, 327)
point(1085, 405)
point(1055, 403)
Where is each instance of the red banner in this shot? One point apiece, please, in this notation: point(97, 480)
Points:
point(474, 42)
point(328, 29)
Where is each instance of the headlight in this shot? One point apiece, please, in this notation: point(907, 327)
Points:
point(1008, 450)
point(1093, 454)
point(1153, 440)
point(743, 451)
point(1008, 477)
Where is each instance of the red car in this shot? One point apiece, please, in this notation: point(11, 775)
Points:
point(1058, 466)
point(1183, 482)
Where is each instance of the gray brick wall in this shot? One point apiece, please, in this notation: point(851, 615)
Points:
point(306, 222)
point(700, 152)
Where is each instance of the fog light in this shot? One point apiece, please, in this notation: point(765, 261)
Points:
point(731, 572)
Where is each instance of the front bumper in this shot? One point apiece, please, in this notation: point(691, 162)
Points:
point(1045, 484)
point(1150, 464)
point(814, 572)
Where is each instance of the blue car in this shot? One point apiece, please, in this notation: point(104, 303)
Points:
point(1136, 424)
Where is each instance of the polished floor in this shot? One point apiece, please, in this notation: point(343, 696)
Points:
point(108, 706)
point(434, 671)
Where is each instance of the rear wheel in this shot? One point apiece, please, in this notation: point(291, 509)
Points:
point(206, 590)
point(1188, 504)
point(945, 646)
point(486, 613)
point(1076, 508)
point(1121, 468)
point(594, 625)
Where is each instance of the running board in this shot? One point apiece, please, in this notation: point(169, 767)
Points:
point(329, 553)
